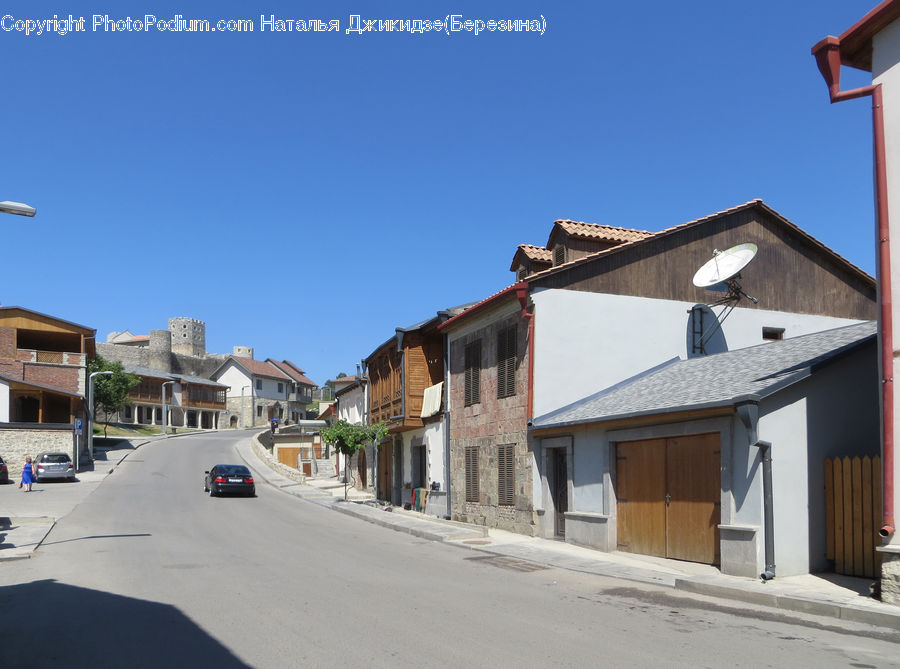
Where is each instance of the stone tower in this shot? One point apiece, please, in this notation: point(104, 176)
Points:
point(188, 336)
point(243, 352)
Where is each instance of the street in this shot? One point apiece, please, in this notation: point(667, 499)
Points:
point(149, 571)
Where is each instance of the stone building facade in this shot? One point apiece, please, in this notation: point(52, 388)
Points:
point(491, 465)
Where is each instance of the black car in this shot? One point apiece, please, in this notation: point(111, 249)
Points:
point(229, 479)
point(4, 472)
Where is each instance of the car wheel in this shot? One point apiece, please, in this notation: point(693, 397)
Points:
point(212, 493)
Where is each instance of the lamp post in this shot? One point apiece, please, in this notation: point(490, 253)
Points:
point(91, 410)
point(243, 424)
point(17, 208)
point(165, 425)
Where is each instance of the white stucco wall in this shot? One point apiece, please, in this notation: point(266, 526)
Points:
point(434, 449)
point(234, 377)
point(4, 402)
point(351, 406)
point(886, 71)
point(585, 342)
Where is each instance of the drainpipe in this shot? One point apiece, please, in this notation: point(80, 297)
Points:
point(749, 415)
point(828, 58)
point(447, 515)
point(522, 294)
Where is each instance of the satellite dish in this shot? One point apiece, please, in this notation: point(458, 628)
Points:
point(725, 265)
point(720, 274)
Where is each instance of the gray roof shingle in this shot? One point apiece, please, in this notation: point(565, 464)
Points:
point(713, 381)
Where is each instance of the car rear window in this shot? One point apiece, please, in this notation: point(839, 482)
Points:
point(233, 470)
point(55, 457)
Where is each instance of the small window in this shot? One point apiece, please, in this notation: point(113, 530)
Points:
point(259, 384)
point(523, 272)
point(259, 412)
point(773, 334)
point(472, 474)
point(506, 475)
point(280, 387)
point(473, 373)
point(506, 362)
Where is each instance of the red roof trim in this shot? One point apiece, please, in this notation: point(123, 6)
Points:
point(480, 306)
point(856, 41)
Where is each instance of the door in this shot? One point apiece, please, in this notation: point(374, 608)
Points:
point(418, 466)
point(362, 469)
point(668, 497)
point(560, 489)
point(384, 471)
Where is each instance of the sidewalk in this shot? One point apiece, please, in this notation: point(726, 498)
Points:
point(829, 595)
point(26, 518)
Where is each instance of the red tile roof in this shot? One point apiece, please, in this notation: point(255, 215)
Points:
point(597, 232)
point(260, 368)
point(292, 371)
point(538, 253)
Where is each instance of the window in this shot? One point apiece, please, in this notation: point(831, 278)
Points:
point(259, 384)
point(506, 475)
point(773, 334)
point(523, 274)
point(473, 373)
point(280, 387)
point(506, 362)
point(259, 412)
point(472, 474)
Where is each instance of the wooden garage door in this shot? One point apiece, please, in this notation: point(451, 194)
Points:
point(289, 455)
point(668, 494)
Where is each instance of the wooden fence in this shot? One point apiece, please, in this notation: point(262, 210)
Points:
point(853, 510)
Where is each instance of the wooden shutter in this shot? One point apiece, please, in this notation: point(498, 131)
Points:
point(506, 362)
point(472, 474)
point(506, 475)
point(559, 255)
point(473, 373)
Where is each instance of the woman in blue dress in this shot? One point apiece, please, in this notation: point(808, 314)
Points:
point(27, 475)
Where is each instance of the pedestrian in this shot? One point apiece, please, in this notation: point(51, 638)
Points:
point(274, 424)
point(27, 475)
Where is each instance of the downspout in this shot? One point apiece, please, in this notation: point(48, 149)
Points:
point(828, 58)
point(522, 294)
point(447, 515)
point(749, 415)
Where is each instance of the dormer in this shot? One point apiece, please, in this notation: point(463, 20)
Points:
point(530, 260)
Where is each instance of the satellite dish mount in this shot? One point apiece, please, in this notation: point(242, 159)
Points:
point(720, 274)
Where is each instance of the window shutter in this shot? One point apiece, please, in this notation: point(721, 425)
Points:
point(506, 362)
point(559, 255)
point(506, 475)
point(472, 474)
point(473, 373)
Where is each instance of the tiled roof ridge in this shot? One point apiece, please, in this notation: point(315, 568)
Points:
point(697, 221)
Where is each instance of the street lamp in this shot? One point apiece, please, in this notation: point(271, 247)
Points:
point(17, 208)
point(91, 411)
point(165, 429)
point(243, 424)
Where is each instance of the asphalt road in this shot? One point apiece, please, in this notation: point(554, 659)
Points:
point(149, 571)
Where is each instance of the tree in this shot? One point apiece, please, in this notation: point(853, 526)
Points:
point(110, 390)
point(347, 439)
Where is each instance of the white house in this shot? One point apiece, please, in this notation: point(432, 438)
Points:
point(873, 45)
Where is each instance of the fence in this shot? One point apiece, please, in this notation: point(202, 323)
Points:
point(853, 511)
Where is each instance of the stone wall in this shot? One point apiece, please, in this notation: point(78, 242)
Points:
point(488, 424)
point(265, 454)
point(18, 442)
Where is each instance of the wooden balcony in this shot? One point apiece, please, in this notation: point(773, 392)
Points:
point(50, 357)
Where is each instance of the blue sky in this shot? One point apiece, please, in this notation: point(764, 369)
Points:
point(306, 193)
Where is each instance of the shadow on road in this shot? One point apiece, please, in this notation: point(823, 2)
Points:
point(60, 625)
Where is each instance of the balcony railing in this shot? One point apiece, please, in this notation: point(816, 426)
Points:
point(50, 357)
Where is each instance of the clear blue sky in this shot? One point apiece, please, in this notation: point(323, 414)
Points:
point(307, 193)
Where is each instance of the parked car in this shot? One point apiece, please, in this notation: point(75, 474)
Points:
point(229, 479)
point(4, 472)
point(53, 466)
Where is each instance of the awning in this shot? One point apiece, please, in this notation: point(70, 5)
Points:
point(431, 403)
